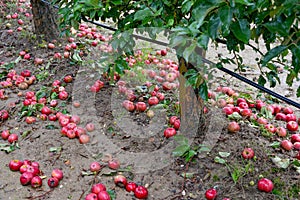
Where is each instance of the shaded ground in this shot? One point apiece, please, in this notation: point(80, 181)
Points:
point(132, 138)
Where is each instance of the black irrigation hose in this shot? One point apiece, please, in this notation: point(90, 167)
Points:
point(241, 78)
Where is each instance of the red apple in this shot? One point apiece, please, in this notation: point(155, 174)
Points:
point(286, 144)
point(292, 126)
point(265, 185)
point(233, 127)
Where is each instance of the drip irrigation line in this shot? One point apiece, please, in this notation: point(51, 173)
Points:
point(237, 76)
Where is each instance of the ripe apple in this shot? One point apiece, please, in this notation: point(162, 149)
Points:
point(280, 116)
point(141, 192)
point(233, 127)
point(14, 165)
point(262, 120)
point(176, 124)
point(12, 138)
point(227, 110)
point(140, 106)
point(128, 105)
point(243, 105)
point(248, 153)
point(130, 187)
point(291, 117)
point(297, 145)
point(287, 110)
point(292, 126)
point(295, 138)
point(246, 112)
point(36, 182)
point(211, 194)
point(286, 144)
point(25, 178)
point(265, 185)
point(96, 188)
point(57, 173)
point(271, 128)
point(169, 132)
point(281, 131)
point(153, 101)
point(103, 195)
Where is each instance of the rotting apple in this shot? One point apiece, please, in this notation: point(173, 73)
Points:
point(53, 182)
point(120, 180)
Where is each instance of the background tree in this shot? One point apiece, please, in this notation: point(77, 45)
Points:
point(45, 20)
point(193, 23)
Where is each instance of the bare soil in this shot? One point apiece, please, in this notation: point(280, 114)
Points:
point(132, 138)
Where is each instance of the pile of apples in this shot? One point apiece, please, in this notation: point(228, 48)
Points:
point(251, 110)
point(22, 80)
point(32, 175)
point(10, 137)
point(174, 123)
point(139, 191)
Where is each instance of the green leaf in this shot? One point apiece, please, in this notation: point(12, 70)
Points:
point(203, 40)
point(203, 91)
point(276, 51)
point(224, 154)
point(274, 145)
point(112, 194)
point(281, 163)
point(219, 160)
point(298, 92)
point(186, 6)
point(181, 140)
point(51, 127)
point(188, 51)
point(261, 80)
point(244, 2)
point(181, 150)
point(55, 149)
point(142, 14)
point(241, 30)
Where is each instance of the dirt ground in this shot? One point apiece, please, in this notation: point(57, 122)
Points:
point(132, 138)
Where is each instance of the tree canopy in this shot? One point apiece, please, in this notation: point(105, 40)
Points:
point(194, 23)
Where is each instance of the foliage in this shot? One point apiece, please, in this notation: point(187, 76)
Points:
point(193, 23)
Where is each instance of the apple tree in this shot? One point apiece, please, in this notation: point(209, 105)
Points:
point(45, 20)
point(195, 23)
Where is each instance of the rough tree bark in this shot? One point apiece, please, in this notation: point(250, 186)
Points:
point(191, 104)
point(44, 19)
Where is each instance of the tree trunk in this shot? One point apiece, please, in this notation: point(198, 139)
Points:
point(191, 104)
point(44, 18)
